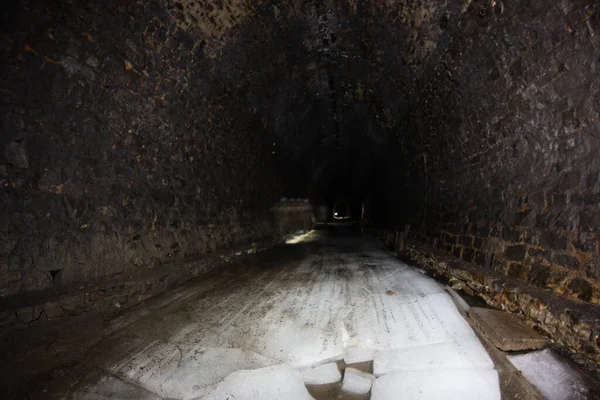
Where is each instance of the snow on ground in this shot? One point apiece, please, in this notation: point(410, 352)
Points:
point(554, 378)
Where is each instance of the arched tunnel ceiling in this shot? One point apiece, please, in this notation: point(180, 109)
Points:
point(423, 97)
point(332, 79)
point(409, 86)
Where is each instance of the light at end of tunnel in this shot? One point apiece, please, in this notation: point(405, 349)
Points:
point(302, 238)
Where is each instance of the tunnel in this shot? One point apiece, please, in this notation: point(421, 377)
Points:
point(172, 168)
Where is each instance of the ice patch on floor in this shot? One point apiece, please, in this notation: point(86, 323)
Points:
point(168, 371)
point(555, 379)
point(357, 382)
point(322, 375)
point(272, 383)
point(461, 354)
point(332, 305)
point(470, 384)
point(301, 344)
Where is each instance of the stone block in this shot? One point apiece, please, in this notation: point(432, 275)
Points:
point(537, 200)
point(15, 154)
point(506, 331)
point(7, 318)
point(592, 180)
point(586, 242)
point(466, 240)
point(593, 269)
point(566, 261)
point(591, 198)
point(589, 220)
point(478, 242)
point(553, 240)
point(539, 253)
point(539, 274)
point(457, 251)
point(556, 276)
point(450, 239)
point(570, 180)
point(480, 258)
point(515, 253)
point(544, 220)
point(511, 235)
point(483, 231)
point(467, 254)
point(581, 288)
point(53, 309)
point(518, 270)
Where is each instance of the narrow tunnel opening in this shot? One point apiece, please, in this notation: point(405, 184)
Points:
point(341, 210)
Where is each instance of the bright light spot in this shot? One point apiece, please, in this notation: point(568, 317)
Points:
point(303, 238)
point(336, 214)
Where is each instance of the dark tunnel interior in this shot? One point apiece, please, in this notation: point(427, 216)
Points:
point(137, 135)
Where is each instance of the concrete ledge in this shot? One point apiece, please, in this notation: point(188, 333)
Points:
point(506, 331)
point(114, 295)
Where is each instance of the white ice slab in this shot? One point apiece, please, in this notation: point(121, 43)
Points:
point(271, 383)
point(554, 378)
point(170, 372)
point(353, 355)
point(322, 375)
point(461, 354)
point(357, 382)
point(470, 384)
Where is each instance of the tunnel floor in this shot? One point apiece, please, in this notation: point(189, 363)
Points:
point(324, 298)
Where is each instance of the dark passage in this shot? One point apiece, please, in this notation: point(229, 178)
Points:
point(145, 143)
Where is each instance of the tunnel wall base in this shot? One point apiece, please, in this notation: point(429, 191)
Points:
point(571, 324)
point(110, 296)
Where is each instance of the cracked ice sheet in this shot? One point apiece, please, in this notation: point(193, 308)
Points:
point(302, 314)
point(272, 383)
point(169, 371)
point(402, 308)
point(470, 384)
point(294, 318)
point(462, 354)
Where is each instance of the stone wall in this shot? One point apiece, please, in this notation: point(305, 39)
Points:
point(123, 148)
point(501, 163)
